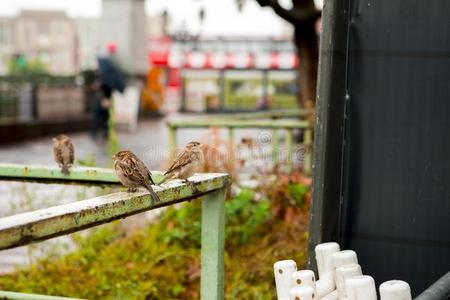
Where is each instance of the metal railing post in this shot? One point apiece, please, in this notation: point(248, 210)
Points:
point(213, 241)
point(172, 138)
point(289, 146)
point(307, 142)
point(231, 144)
point(275, 147)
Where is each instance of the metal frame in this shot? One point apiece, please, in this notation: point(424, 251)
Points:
point(221, 82)
point(43, 224)
point(329, 128)
point(231, 124)
point(43, 174)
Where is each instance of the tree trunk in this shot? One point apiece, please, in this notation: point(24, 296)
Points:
point(308, 57)
point(303, 16)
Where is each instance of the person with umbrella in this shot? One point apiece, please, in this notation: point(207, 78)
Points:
point(111, 79)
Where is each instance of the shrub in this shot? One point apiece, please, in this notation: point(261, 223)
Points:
point(162, 261)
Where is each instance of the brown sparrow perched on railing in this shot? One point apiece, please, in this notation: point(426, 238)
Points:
point(186, 164)
point(63, 152)
point(133, 173)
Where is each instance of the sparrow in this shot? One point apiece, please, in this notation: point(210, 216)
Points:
point(63, 152)
point(133, 173)
point(186, 163)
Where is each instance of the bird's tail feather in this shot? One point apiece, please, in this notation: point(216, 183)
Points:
point(65, 169)
point(151, 179)
point(152, 192)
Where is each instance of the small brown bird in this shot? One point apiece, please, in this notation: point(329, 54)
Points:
point(133, 173)
point(63, 152)
point(186, 164)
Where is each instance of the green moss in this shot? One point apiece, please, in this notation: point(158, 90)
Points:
point(162, 260)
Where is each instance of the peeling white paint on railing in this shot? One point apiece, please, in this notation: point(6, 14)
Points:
point(42, 224)
point(25, 228)
point(340, 278)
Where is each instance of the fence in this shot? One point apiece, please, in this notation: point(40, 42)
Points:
point(37, 98)
point(235, 90)
point(274, 125)
point(271, 114)
point(341, 278)
point(25, 228)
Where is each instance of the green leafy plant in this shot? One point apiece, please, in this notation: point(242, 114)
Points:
point(162, 260)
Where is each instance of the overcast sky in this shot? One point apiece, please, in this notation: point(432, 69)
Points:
point(222, 17)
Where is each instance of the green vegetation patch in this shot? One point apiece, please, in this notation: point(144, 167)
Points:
point(162, 260)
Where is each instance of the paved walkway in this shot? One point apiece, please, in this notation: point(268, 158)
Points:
point(150, 135)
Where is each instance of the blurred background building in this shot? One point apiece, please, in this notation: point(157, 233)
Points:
point(194, 56)
point(88, 44)
point(66, 45)
point(124, 23)
point(49, 37)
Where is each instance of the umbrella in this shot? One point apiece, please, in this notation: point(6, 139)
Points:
point(110, 74)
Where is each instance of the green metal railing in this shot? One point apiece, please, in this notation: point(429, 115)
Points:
point(270, 114)
point(274, 125)
point(26, 228)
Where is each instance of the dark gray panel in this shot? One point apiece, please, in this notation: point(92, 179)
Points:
point(397, 173)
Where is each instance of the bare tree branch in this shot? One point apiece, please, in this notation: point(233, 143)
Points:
point(297, 14)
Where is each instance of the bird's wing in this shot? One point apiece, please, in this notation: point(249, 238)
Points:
point(57, 153)
point(143, 170)
point(71, 152)
point(182, 159)
point(125, 167)
point(135, 170)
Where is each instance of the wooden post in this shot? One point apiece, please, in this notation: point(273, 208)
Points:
point(302, 293)
point(289, 146)
point(344, 272)
point(307, 142)
point(283, 271)
point(395, 290)
point(213, 240)
point(360, 288)
point(172, 138)
point(275, 147)
point(324, 253)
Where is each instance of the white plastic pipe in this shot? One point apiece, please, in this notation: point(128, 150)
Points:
point(324, 253)
point(343, 258)
point(360, 288)
point(395, 290)
point(304, 278)
point(283, 271)
point(331, 296)
point(343, 273)
point(302, 293)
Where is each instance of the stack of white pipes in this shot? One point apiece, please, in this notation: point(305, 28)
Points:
point(340, 278)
